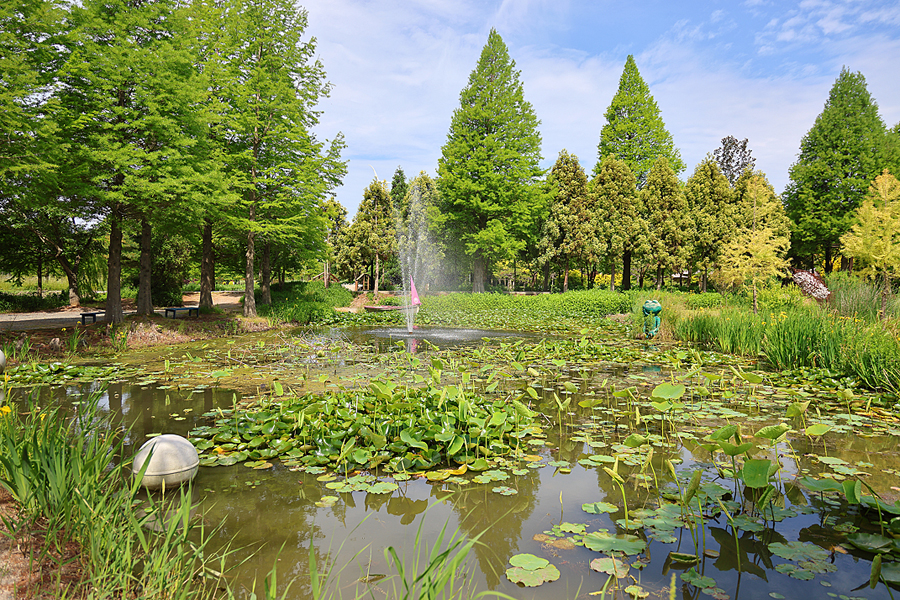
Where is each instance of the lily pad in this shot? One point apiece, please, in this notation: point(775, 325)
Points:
point(610, 566)
point(528, 562)
point(532, 578)
point(603, 542)
point(505, 490)
point(599, 508)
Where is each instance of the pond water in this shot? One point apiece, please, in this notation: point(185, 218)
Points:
point(606, 430)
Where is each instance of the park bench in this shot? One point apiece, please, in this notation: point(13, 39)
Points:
point(92, 315)
point(176, 309)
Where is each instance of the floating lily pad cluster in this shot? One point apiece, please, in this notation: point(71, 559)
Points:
point(401, 428)
point(530, 570)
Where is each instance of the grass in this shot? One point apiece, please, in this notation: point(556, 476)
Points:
point(76, 508)
point(304, 302)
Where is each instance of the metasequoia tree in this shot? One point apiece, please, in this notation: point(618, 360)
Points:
point(839, 156)
point(488, 170)
point(710, 202)
point(875, 237)
point(634, 131)
point(269, 85)
point(569, 231)
point(756, 251)
point(620, 226)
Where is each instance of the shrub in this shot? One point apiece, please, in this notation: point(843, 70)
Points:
point(31, 302)
point(304, 302)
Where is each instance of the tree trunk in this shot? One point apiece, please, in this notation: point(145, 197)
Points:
point(144, 299)
point(659, 276)
point(612, 274)
point(547, 276)
point(326, 272)
point(72, 279)
point(113, 308)
point(566, 276)
point(626, 271)
point(265, 284)
point(377, 273)
point(249, 299)
point(40, 275)
point(641, 273)
point(755, 305)
point(829, 258)
point(207, 267)
point(478, 268)
point(703, 279)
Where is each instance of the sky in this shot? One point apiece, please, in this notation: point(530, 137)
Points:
point(755, 69)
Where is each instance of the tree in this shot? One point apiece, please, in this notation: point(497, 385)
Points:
point(488, 170)
point(839, 156)
point(875, 237)
point(711, 204)
point(618, 219)
point(270, 85)
point(371, 238)
point(733, 158)
point(668, 221)
point(399, 189)
point(634, 129)
point(756, 251)
point(569, 231)
point(420, 257)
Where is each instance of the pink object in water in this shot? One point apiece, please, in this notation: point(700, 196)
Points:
point(413, 294)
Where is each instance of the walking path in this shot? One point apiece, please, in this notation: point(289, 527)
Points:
point(70, 316)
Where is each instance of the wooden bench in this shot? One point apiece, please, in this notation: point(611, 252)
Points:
point(92, 315)
point(191, 310)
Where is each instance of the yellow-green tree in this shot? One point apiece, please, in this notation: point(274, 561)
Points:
point(756, 251)
point(875, 238)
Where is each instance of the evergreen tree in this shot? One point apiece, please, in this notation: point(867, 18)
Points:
point(733, 158)
point(399, 189)
point(839, 156)
point(668, 222)
point(875, 237)
point(755, 251)
point(371, 239)
point(634, 129)
point(710, 201)
point(420, 257)
point(569, 233)
point(618, 220)
point(489, 165)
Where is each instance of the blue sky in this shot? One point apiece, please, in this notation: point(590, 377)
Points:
point(755, 69)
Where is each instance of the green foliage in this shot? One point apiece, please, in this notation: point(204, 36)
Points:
point(31, 302)
point(70, 484)
point(488, 170)
point(371, 240)
point(712, 211)
point(569, 233)
point(305, 302)
point(668, 220)
point(634, 131)
point(852, 296)
point(839, 156)
point(875, 238)
point(621, 229)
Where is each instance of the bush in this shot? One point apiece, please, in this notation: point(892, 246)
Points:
point(304, 302)
point(32, 302)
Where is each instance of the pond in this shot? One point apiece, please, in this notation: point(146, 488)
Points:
point(598, 491)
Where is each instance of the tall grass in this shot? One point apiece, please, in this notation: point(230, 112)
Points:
point(854, 297)
point(72, 488)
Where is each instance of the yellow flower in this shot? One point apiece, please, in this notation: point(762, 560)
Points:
point(5, 410)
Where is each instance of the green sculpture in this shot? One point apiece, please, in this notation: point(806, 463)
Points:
point(651, 309)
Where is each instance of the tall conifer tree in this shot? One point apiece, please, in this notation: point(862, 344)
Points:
point(842, 152)
point(634, 129)
point(710, 201)
point(668, 222)
point(620, 225)
point(488, 169)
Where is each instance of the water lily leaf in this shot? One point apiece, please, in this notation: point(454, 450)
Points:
point(668, 391)
point(529, 562)
point(773, 432)
point(756, 473)
point(695, 579)
point(688, 559)
point(407, 438)
point(796, 409)
point(821, 485)
point(610, 566)
point(795, 572)
point(817, 430)
point(732, 450)
point(437, 475)
point(479, 464)
point(799, 551)
point(852, 490)
point(603, 542)
point(532, 578)
point(635, 440)
point(871, 542)
point(505, 490)
point(599, 508)
point(326, 501)
point(636, 591)
point(456, 445)
point(723, 433)
point(383, 487)
point(752, 378)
